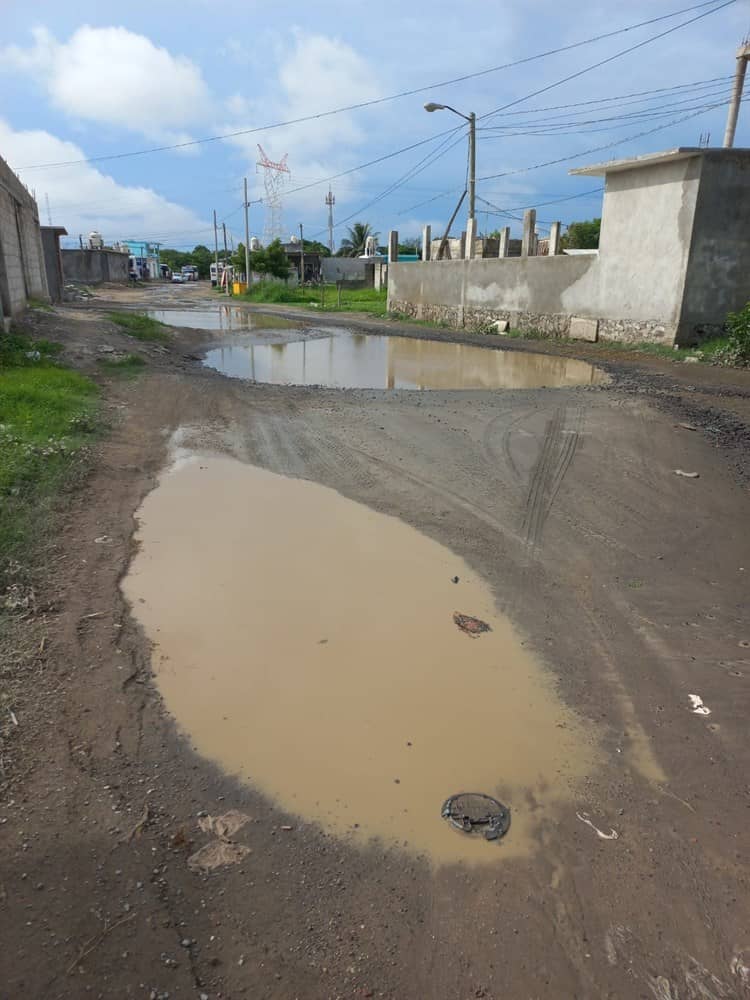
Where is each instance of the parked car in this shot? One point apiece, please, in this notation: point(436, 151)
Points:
point(178, 279)
point(190, 272)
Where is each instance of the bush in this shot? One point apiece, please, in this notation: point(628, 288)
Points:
point(737, 350)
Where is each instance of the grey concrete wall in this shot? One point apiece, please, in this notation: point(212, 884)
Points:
point(92, 267)
point(22, 272)
point(52, 262)
point(718, 272)
point(674, 255)
point(347, 269)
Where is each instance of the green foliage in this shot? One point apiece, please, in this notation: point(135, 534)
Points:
point(582, 235)
point(200, 256)
point(323, 298)
point(139, 326)
point(270, 260)
point(128, 366)
point(47, 413)
point(737, 349)
point(355, 243)
point(314, 246)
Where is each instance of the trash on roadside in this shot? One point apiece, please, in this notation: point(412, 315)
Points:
point(475, 812)
point(454, 579)
point(687, 427)
point(216, 854)
point(612, 835)
point(471, 626)
point(687, 475)
point(224, 826)
point(698, 707)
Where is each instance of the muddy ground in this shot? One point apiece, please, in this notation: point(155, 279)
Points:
point(628, 581)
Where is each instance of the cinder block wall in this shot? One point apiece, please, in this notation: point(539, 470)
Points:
point(22, 272)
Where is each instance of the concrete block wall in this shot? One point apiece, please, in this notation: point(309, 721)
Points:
point(22, 271)
point(92, 267)
point(673, 260)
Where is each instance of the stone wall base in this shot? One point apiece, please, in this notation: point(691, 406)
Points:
point(549, 324)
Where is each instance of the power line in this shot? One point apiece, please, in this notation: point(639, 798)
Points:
point(392, 97)
point(609, 59)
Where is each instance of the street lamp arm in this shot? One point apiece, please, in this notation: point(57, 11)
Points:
point(432, 106)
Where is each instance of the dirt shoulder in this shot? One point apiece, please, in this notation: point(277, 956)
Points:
point(629, 583)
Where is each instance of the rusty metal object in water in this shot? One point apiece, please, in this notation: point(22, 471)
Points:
point(475, 812)
point(470, 625)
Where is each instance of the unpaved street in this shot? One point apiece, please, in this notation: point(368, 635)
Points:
point(626, 582)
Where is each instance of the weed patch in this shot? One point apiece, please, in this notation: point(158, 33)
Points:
point(141, 327)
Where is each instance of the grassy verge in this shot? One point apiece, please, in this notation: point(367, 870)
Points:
point(47, 414)
point(324, 298)
point(129, 366)
point(141, 327)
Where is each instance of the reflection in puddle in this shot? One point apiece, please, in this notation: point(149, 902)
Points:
point(307, 645)
point(358, 361)
point(222, 317)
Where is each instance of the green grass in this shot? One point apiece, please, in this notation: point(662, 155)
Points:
point(129, 366)
point(325, 298)
point(47, 414)
point(141, 327)
point(33, 303)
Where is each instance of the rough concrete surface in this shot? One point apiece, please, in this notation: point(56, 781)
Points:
point(630, 584)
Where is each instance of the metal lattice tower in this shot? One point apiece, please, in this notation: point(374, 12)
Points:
point(330, 201)
point(274, 177)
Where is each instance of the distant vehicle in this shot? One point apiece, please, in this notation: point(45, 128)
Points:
point(190, 272)
point(214, 280)
point(178, 278)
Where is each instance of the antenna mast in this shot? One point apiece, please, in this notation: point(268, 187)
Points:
point(330, 201)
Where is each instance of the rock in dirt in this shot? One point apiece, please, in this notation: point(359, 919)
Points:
point(471, 626)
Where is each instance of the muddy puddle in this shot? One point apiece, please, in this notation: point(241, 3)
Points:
point(221, 317)
point(306, 644)
point(344, 360)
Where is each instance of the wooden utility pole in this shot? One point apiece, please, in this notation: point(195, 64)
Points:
point(302, 257)
point(247, 238)
point(226, 272)
point(216, 250)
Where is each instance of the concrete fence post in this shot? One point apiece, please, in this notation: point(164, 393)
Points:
point(471, 235)
point(554, 239)
point(393, 246)
point(529, 226)
point(462, 247)
point(426, 242)
point(504, 247)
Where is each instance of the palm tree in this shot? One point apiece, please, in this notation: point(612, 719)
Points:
point(356, 241)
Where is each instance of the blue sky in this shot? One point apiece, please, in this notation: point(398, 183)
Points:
point(80, 83)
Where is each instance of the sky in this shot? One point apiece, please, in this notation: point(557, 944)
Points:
point(85, 87)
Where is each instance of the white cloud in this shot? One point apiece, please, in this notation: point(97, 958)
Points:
point(112, 76)
point(315, 73)
point(82, 198)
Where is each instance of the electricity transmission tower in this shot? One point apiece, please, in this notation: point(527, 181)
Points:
point(274, 178)
point(330, 201)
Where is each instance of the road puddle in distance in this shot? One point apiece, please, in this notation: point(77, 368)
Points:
point(341, 359)
point(222, 317)
point(307, 645)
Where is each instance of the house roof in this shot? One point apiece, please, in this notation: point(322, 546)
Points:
point(650, 159)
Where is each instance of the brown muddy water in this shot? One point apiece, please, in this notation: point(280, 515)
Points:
point(341, 359)
point(306, 644)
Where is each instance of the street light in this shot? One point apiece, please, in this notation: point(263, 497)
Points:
point(471, 118)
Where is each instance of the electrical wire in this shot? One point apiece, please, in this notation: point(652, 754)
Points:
point(405, 93)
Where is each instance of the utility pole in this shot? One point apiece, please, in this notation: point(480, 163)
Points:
point(247, 238)
point(472, 162)
point(330, 201)
point(224, 227)
point(743, 54)
point(302, 257)
point(216, 249)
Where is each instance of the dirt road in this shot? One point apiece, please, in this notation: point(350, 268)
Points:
point(628, 582)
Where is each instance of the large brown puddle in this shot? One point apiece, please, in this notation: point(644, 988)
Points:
point(344, 360)
point(307, 645)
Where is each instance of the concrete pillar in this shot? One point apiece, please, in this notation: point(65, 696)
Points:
point(393, 246)
point(471, 235)
point(426, 242)
point(504, 242)
point(554, 239)
point(529, 226)
point(462, 247)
